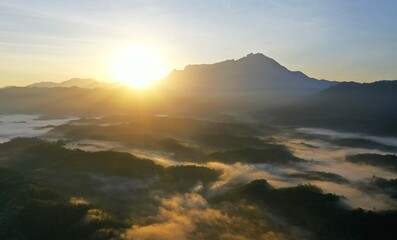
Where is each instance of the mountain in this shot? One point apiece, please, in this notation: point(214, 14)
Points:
point(253, 74)
point(76, 82)
point(348, 106)
point(252, 83)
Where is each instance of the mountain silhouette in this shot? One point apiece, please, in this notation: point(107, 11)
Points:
point(76, 82)
point(254, 83)
point(253, 74)
point(349, 106)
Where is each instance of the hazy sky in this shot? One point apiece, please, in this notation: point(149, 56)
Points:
point(54, 40)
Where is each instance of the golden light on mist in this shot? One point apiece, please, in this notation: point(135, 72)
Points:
point(138, 66)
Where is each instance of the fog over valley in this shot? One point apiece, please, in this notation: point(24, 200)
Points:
point(148, 177)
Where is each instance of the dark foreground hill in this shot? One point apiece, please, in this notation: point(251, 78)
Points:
point(348, 106)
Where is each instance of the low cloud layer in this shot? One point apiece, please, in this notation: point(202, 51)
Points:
point(189, 216)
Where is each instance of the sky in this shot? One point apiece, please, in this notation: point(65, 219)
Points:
point(55, 40)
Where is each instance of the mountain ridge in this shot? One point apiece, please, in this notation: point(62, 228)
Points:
point(76, 82)
point(254, 72)
point(347, 106)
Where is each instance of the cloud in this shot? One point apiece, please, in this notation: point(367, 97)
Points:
point(240, 173)
point(78, 201)
point(356, 198)
point(177, 219)
point(189, 216)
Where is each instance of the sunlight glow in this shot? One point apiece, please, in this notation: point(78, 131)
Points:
point(138, 66)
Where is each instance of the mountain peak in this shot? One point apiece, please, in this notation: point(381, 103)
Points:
point(256, 55)
point(250, 74)
point(256, 59)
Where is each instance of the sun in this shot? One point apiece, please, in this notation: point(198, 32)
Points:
point(139, 66)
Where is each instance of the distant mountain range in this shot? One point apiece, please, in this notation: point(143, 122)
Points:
point(254, 83)
point(250, 75)
point(76, 82)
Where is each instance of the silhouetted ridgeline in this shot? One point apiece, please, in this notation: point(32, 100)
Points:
point(276, 154)
point(252, 82)
point(320, 176)
point(76, 82)
point(359, 107)
point(381, 185)
point(386, 161)
point(351, 142)
point(248, 83)
point(253, 74)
